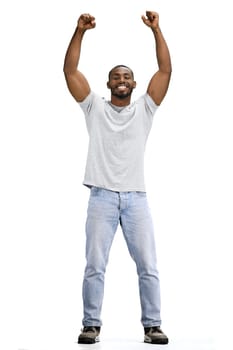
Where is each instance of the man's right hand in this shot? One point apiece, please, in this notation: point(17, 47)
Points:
point(86, 21)
point(76, 81)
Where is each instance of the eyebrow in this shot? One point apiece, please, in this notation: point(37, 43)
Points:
point(114, 74)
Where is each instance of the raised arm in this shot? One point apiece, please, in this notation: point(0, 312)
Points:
point(76, 81)
point(159, 82)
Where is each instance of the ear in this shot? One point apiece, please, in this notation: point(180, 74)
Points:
point(108, 85)
point(134, 84)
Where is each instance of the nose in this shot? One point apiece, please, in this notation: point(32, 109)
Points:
point(122, 79)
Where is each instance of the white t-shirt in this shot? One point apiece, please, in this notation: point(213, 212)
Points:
point(117, 140)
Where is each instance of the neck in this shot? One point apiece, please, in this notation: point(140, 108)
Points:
point(120, 102)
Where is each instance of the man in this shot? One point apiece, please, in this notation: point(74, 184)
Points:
point(118, 130)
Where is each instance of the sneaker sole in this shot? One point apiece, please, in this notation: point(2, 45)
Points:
point(88, 340)
point(157, 341)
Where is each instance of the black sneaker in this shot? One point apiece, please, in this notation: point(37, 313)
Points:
point(89, 335)
point(154, 335)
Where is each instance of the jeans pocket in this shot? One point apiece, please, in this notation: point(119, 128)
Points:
point(141, 194)
point(94, 191)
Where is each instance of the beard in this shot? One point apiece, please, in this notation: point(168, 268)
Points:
point(122, 95)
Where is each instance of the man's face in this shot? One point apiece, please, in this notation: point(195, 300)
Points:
point(121, 82)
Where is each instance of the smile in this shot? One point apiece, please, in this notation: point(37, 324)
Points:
point(121, 87)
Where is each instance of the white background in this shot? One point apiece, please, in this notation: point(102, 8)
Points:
point(43, 144)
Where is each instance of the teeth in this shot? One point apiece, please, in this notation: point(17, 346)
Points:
point(122, 87)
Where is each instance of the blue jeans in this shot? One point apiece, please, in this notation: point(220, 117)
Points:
point(106, 209)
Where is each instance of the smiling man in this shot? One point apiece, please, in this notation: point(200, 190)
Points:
point(118, 130)
point(121, 83)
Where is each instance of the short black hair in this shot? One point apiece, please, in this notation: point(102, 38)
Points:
point(118, 66)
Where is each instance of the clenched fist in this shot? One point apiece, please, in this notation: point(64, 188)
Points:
point(86, 21)
point(151, 19)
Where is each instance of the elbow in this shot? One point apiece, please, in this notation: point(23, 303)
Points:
point(167, 69)
point(67, 74)
point(67, 70)
point(64, 69)
point(169, 73)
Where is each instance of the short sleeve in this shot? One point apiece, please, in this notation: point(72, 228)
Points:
point(150, 105)
point(87, 103)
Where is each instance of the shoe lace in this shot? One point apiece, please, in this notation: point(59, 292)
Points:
point(156, 330)
point(89, 329)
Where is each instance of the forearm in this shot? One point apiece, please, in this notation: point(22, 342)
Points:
point(73, 52)
point(162, 52)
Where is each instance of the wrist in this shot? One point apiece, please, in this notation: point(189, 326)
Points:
point(80, 30)
point(156, 30)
